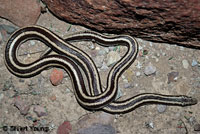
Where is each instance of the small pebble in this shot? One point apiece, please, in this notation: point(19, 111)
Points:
point(139, 65)
point(32, 42)
point(99, 61)
point(146, 57)
point(149, 125)
point(44, 73)
point(157, 59)
point(197, 127)
point(30, 118)
point(89, 120)
point(140, 53)
point(98, 129)
point(149, 70)
point(138, 74)
point(21, 80)
point(64, 128)
point(136, 85)
point(56, 77)
point(104, 66)
point(98, 48)
point(53, 97)
point(7, 85)
point(157, 55)
point(1, 96)
point(28, 55)
point(125, 80)
point(164, 54)
point(128, 85)
point(40, 111)
point(140, 47)
point(52, 126)
point(185, 64)
point(192, 121)
point(161, 108)
point(21, 105)
point(194, 63)
point(91, 46)
point(112, 58)
point(68, 90)
point(123, 77)
point(101, 52)
point(172, 77)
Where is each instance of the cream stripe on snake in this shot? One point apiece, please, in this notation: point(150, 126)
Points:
point(69, 56)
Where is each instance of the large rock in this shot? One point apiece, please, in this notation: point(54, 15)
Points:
point(164, 20)
point(20, 12)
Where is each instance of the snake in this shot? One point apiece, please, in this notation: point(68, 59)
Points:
point(76, 62)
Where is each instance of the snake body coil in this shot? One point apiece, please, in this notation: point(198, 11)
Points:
point(70, 57)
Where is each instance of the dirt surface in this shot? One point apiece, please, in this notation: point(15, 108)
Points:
point(59, 101)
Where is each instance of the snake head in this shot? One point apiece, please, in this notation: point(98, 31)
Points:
point(189, 101)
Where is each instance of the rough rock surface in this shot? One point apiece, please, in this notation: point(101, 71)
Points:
point(20, 12)
point(163, 21)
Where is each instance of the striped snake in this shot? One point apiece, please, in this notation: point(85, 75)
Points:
point(70, 58)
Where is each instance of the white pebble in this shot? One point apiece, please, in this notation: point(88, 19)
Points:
point(123, 77)
point(194, 63)
point(139, 65)
point(140, 47)
point(138, 74)
point(32, 42)
point(68, 90)
point(97, 48)
point(149, 70)
point(1, 96)
point(157, 59)
point(99, 61)
point(91, 46)
point(150, 43)
point(151, 124)
point(185, 64)
point(161, 108)
point(164, 54)
point(125, 80)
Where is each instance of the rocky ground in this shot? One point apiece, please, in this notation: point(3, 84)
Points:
point(35, 106)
